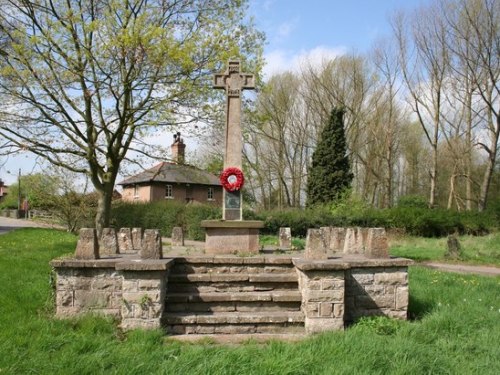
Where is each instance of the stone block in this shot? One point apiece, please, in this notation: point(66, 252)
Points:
point(125, 240)
point(91, 299)
point(151, 245)
point(285, 238)
point(337, 239)
point(376, 243)
point(332, 284)
point(353, 243)
point(108, 244)
point(315, 325)
point(136, 235)
point(362, 276)
point(311, 309)
point(177, 236)
point(325, 309)
point(327, 236)
point(402, 298)
point(88, 245)
point(324, 295)
point(106, 283)
point(391, 278)
point(315, 245)
point(338, 310)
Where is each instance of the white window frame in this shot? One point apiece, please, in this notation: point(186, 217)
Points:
point(210, 194)
point(136, 191)
point(169, 191)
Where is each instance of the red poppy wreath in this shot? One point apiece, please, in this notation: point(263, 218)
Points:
point(232, 179)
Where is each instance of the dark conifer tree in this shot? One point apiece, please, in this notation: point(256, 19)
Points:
point(330, 173)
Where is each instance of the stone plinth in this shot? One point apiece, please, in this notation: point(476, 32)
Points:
point(88, 245)
point(285, 238)
point(232, 237)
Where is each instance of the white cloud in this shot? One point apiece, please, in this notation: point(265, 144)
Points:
point(286, 28)
point(278, 61)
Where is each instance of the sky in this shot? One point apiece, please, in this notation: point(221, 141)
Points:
point(295, 30)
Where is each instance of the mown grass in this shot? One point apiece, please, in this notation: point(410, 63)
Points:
point(475, 249)
point(455, 330)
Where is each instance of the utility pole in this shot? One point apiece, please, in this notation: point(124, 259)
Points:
point(19, 193)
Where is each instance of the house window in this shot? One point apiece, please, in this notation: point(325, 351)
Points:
point(169, 192)
point(136, 191)
point(210, 194)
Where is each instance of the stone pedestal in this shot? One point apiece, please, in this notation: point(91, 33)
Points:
point(232, 237)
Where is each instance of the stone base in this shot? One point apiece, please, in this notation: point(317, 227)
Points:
point(232, 237)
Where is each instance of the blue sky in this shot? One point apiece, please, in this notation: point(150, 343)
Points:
point(295, 30)
point(298, 29)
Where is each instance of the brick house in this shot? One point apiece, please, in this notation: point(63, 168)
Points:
point(173, 181)
point(3, 190)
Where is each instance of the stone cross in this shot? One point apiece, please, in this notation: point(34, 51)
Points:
point(233, 81)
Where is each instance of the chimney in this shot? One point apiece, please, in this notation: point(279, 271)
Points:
point(178, 148)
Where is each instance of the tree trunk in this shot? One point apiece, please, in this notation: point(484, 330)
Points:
point(492, 155)
point(103, 214)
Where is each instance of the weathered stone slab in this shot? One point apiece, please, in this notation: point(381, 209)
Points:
point(337, 238)
point(151, 245)
point(285, 238)
point(315, 245)
point(353, 241)
point(125, 240)
point(177, 236)
point(109, 242)
point(136, 235)
point(87, 246)
point(376, 243)
point(327, 235)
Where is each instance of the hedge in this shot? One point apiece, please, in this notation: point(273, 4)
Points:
point(414, 220)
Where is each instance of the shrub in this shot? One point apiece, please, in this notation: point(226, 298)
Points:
point(164, 216)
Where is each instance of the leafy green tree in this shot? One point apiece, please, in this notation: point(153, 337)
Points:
point(330, 173)
point(37, 188)
point(84, 81)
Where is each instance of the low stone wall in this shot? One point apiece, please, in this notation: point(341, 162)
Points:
point(129, 290)
point(333, 292)
point(339, 291)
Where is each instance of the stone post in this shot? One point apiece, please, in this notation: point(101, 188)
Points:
point(315, 245)
point(376, 243)
point(88, 245)
point(109, 242)
point(177, 236)
point(337, 239)
point(151, 245)
point(353, 241)
point(125, 240)
point(285, 238)
point(136, 236)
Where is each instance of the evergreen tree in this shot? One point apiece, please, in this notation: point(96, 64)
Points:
point(330, 173)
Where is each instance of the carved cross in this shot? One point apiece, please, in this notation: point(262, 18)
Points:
point(233, 81)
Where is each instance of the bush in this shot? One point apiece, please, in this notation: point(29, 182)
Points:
point(164, 216)
point(418, 221)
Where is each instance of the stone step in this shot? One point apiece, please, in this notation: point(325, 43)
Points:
point(219, 329)
point(239, 338)
point(186, 268)
point(235, 260)
point(225, 287)
point(233, 318)
point(233, 277)
point(275, 296)
point(233, 306)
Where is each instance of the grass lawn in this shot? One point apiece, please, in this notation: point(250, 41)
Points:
point(455, 330)
point(476, 250)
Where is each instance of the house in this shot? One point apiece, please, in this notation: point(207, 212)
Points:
point(3, 190)
point(173, 180)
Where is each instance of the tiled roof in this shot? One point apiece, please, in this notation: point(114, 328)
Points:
point(171, 172)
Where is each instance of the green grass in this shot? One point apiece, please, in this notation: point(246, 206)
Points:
point(455, 330)
point(475, 249)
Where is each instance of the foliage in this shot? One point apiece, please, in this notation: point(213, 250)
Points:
point(455, 330)
point(330, 173)
point(90, 80)
point(37, 188)
point(414, 221)
point(165, 216)
point(412, 201)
